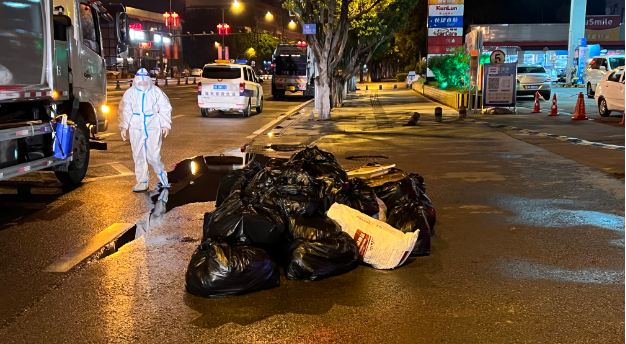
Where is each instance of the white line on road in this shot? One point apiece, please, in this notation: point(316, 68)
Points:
point(107, 134)
point(68, 261)
point(270, 124)
point(121, 168)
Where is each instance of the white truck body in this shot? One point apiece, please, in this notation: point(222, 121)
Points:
point(51, 64)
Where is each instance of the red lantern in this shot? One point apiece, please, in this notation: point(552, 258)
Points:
point(167, 16)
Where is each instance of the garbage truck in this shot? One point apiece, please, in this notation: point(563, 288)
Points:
point(53, 97)
point(293, 69)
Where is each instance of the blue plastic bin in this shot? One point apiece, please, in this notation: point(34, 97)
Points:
point(64, 139)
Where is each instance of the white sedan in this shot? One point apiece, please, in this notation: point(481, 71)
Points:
point(610, 92)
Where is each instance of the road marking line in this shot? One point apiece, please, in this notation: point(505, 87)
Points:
point(121, 168)
point(107, 134)
point(174, 98)
point(177, 116)
point(68, 261)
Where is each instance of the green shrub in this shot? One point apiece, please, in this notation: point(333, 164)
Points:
point(450, 69)
point(409, 68)
point(401, 76)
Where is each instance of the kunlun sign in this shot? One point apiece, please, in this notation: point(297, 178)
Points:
point(445, 10)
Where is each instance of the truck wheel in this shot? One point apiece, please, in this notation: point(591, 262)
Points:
point(204, 112)
point(77, 169)
point(259, 108)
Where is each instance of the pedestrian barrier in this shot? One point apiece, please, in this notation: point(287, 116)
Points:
point(117, 85)
point(380, 87)
point(194, 80)
point(395, 86)
point(536, 108)
point(553, 109)
point(462, 100)
point(178, 83)
point(165, 81)
point(438, 114)
point(579, 112)
point(186, 81)
point(366, 87)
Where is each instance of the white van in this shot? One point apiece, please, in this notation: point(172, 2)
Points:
point(598, 68)
point(229, 87)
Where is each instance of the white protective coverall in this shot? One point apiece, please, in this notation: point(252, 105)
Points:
point(145, 110)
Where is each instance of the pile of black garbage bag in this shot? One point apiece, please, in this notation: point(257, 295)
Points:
point(274, 216)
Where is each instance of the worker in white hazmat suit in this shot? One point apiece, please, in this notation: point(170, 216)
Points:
point(146, 112)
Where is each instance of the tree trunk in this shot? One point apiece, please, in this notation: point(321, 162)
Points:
point(344, 93)
point(322, 83)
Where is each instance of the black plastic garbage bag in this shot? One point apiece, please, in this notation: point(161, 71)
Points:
point(315, 260)
point(313, 154)
point(295, 181)
point(262, 183)
point(359, 196)
point(330, 179)
point(248, 224)
point(429, 209)
point(294, 204)
point(392, 192)
point(217, 269)
point(314, 227)
point(409, 216)
point(419, 182)
point(276, 163)
point(235, 181)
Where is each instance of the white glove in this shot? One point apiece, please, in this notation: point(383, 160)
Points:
point(123, 133)
point(165, 131)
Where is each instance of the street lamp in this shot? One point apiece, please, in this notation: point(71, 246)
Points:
point(236, 4)
point(292, 25)
point(268, 15)
point(217, 44)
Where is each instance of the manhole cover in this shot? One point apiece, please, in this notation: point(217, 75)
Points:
point(367, 157)
point(284, 148)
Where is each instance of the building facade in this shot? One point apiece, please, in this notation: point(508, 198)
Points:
point(151, 45)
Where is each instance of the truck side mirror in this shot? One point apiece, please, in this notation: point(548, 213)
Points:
point(121, 25)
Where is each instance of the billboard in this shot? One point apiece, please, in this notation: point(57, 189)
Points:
point(449, 21)
point(445, 31)
point(445, 10)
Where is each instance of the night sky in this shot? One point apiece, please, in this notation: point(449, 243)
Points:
point(476, 11)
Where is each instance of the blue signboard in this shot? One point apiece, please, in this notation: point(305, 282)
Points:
point(448, 21)
point(499, 84)
point(308, 29)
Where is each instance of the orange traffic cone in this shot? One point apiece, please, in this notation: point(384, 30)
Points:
point(536, 109)
point(553, 109)
point(579, 112)
point(622, 122)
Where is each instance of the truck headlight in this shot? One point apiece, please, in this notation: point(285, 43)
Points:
point(105, 109)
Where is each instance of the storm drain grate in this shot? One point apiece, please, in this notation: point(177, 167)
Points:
point(367, 157)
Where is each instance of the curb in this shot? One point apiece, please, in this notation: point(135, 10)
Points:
point(572, 140)
point(278, 121)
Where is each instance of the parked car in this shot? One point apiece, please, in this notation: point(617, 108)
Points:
point(113, 72)
point(227, 87)
point(598, 68)
point(532, 79)
point(610, 92)
point(196, 72)
point(155, 71)
point(185, 73)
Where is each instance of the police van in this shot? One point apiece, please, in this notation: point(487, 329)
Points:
point(227, 86)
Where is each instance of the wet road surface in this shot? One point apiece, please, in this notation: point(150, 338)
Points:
point(529, 248)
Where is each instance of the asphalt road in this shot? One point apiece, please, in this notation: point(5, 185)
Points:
point(41, 221)
point(529, 245)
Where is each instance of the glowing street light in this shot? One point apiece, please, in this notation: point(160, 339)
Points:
point(268, 15)
point(217, 44)
point(236, 4)
point(292, 25)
